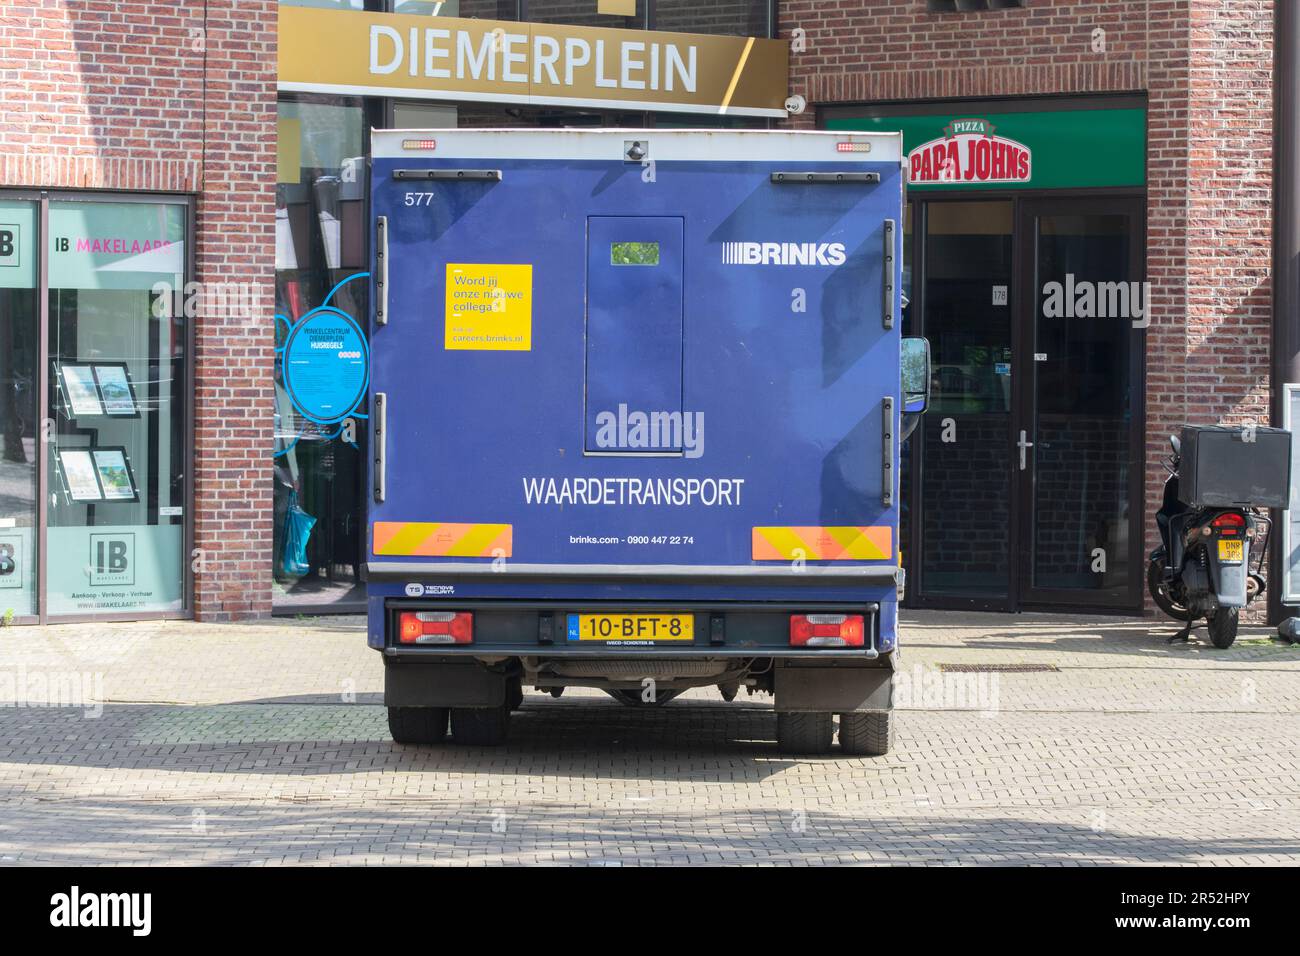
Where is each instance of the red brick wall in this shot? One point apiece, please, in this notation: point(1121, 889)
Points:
point(858, 51)
point(143, 96)
point(1205, 66)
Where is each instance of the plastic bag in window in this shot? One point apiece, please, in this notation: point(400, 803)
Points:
point(297, 530)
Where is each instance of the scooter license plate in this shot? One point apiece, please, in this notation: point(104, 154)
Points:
point(1231, 551)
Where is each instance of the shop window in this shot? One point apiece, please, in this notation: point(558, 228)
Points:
point(615, 14)
point(727, 17)
point(19, 409)
point(321, 289)
point(423, 116)
point(467, 9)
point(117, 393)
point(326, 4)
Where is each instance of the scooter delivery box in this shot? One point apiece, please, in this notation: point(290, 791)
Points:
point(1235, 467)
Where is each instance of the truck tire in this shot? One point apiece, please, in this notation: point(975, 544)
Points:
point(868, 735)
point(480, 726)
point(804, 734)
point(1222, 625)
point(417, 725)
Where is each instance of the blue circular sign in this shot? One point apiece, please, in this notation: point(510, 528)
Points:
point(326, 365)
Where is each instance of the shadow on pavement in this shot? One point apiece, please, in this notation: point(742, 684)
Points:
point(453, 832)
point(683, 741)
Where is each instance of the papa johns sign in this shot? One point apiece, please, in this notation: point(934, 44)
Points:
point(969, 152)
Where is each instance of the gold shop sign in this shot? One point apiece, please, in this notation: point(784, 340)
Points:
point(492, 61)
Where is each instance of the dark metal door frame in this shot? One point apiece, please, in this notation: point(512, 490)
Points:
point(1020, 595)
point(1025, 320)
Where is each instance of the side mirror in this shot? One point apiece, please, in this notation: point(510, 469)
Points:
point(916, 375)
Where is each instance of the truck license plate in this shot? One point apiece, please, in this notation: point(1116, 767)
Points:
point(1231, 551)
point(631, 628)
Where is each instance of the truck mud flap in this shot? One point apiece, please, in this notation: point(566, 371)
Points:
point(834, 690)
point(442, 685)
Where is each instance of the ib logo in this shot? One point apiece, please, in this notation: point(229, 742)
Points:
point(10, 560)
point(112, 559)
point(9, 245)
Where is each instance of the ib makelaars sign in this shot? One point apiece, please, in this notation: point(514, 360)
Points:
point(446, 58)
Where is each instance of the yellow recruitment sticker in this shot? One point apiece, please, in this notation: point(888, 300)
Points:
point(489, 307)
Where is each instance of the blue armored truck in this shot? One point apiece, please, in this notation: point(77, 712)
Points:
point(636, 405)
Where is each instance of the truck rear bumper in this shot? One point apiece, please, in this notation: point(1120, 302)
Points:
point(739, 637)
point(415, 655)
point(798, 684)
point(889, 575)
point(514, 628)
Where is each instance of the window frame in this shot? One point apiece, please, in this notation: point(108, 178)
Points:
point(43, 198)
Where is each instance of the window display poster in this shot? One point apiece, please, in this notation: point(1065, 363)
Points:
point(326, 366)
point(79, 474)
point(79, 385)
point(17, 572)
point(115, 388)
point(114, 474)
point(115, 569)
point(115, 245)
point(17, 244)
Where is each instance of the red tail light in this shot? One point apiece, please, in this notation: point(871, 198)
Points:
point(1229, 523)
point(435, 627)
point(827, 630)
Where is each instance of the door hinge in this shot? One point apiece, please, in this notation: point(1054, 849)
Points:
point(463, 175)
point(381, 270)
point(887, 314)
point(379, 429)
point(887, 452)
point(795, 178)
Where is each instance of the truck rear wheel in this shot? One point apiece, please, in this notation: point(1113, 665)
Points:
point(804, 733)
point(417, 725)
point(480, 726)
point(870, 734)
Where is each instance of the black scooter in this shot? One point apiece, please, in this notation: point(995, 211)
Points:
point(1202, 568)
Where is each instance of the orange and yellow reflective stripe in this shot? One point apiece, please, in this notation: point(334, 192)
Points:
point(823, 544)
point(442, 539)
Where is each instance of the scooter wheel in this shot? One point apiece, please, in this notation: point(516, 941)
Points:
point(1161, 595)
point(1222, 626)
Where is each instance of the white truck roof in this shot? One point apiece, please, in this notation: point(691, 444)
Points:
point(715, 145)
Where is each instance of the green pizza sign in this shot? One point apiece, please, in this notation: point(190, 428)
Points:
point(1060, 149)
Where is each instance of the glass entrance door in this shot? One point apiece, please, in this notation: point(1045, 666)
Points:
point(965, 485)
point(1078, 438)
point(1028, 485)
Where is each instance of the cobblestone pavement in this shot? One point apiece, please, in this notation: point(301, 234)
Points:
point(267, 744)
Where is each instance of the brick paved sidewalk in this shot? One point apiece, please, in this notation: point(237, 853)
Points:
point(266, 743)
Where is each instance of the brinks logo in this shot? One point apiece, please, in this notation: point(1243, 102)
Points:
point(783, 253)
